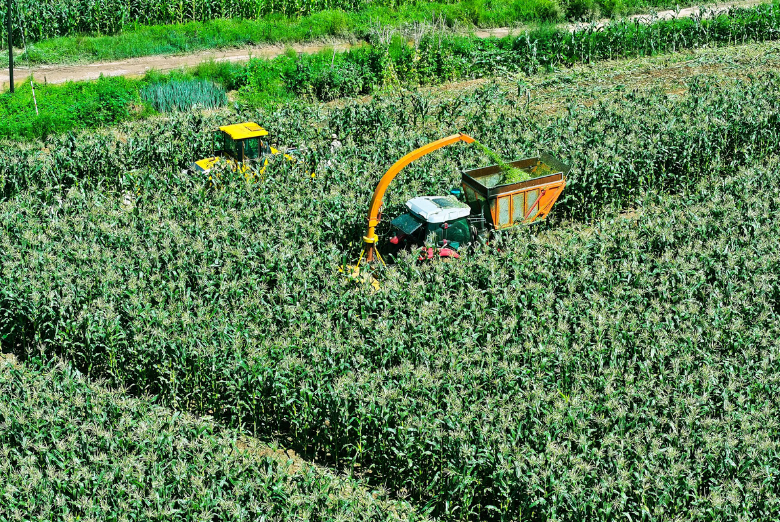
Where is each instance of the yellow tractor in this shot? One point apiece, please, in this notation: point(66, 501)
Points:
point(241, 146)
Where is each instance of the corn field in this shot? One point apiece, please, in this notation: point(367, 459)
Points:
point(52, 18)
point(77, 451)
point(591, 368)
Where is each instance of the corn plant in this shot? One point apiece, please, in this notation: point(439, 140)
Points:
point(74, 450)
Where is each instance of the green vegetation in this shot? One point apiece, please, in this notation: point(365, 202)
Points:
point(509, 174)
point(114, 29)
point(587, 371)
point(68, 107)
point(183, 95)
point(438, 58)
point(144, 40)
point(107, 101)
point(434, 59)
point(70, 450)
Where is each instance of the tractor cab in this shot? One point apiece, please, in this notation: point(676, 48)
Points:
point(434, 221)
point(242, 143)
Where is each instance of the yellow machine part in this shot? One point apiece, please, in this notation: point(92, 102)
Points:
point(207, 164)
point(354, 273)
point(241, 131)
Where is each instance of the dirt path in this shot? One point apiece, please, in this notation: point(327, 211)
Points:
point(139, 66)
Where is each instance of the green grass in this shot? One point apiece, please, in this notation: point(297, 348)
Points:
point(75, 450)
point(67, 107)
point(84, 105)
point(135, 40)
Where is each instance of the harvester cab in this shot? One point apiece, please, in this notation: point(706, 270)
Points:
point(438, 222)
point(242, 146)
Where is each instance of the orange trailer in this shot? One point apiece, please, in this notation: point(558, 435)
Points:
point(505, 206)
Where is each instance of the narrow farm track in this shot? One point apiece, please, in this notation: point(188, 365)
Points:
point(134, 67)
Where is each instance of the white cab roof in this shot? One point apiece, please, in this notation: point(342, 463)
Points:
point(438, 209)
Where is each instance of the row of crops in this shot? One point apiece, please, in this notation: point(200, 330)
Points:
point(575, 372)
point(437, 58)
point(70, 450)
point(52, 18)
point(619, 146)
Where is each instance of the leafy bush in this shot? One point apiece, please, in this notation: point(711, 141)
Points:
point(612, 8)
point(582, 10)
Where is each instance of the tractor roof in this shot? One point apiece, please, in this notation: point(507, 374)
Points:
point(438, 209)
point(241, 131)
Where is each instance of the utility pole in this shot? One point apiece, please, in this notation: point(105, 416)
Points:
point(10, 47)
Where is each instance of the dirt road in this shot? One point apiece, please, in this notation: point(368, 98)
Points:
point(139, 66)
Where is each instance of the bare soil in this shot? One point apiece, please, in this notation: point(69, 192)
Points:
point(134, 67)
